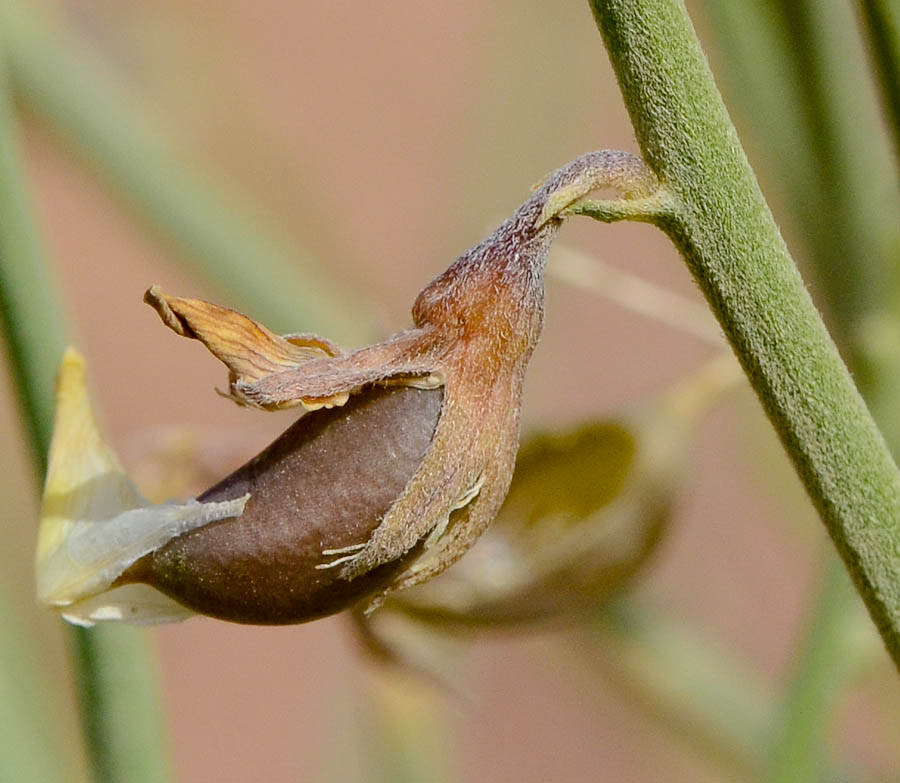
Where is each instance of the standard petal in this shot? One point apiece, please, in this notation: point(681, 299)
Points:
point(248, 349)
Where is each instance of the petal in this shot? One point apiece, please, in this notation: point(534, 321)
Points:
point(132, 604)
point(94, 522)
point(249, 350)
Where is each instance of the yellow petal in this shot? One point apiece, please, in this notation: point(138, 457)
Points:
point(94, 522)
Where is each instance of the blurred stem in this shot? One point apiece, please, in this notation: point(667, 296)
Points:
point(118, 694)
point(408, 738)
point(117, 697)
point(882, 19)
point(635, 293)
point(685, 681)
point(32, 316)
point(852, 268)
point(798, 77)
point(95, 118)
point(755, 54)
point(728, 238)
point(800, 748)
point(31, 741)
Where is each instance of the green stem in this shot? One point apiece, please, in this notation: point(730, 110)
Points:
point(727, 235)
point(119, 709)
point(121, 713)
point(882, 19)
point(856, 200)
point(95, 117)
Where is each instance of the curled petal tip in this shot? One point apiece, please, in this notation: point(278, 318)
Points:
point(249, 350)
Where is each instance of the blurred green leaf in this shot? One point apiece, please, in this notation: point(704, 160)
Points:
point(112, 669)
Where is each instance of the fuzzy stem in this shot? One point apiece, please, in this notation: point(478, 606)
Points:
point(120, 713)
point(727, 235)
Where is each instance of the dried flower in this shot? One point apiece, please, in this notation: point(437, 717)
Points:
point(405, 456)
point(585, 510)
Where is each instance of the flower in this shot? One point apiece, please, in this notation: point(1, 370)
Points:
point(403, 459)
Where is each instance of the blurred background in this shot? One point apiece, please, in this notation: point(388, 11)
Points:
point(370, 144)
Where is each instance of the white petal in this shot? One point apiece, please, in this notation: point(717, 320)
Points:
point(132, 604)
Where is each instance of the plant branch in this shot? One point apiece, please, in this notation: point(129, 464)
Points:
point(818, 675)
point(727, 235)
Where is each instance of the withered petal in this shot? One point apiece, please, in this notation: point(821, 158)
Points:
point(248, 349)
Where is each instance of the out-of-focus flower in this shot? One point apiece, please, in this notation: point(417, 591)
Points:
point(402, 461)
point(584, 512)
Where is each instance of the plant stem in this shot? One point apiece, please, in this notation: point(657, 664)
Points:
point(882, 19)
point(849, 230)
point(116, 692)
point(727, 235)
point(795, 70)
point(95, 118)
